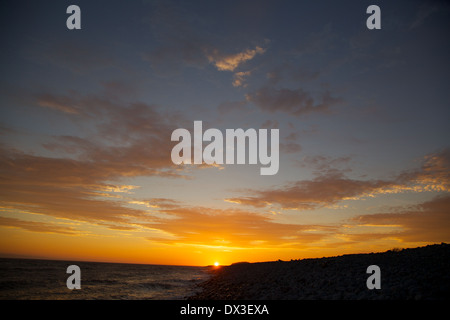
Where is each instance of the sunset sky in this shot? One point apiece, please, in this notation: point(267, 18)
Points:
point(87, 116)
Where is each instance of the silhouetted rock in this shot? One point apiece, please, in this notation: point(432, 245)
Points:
point(419, 273)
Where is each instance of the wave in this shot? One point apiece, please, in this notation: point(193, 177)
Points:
point(39, 279)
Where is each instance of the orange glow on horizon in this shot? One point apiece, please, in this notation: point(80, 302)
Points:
point(118, 249)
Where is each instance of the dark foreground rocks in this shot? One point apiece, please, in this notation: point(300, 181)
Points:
point(419, 273)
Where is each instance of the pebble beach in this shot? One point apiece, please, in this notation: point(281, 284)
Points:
point(406, 274)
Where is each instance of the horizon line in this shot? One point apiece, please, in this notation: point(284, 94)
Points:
point(25, 257)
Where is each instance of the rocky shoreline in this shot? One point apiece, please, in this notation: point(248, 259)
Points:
point(420, 274)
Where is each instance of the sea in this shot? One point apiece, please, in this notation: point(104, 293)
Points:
point(30, 279)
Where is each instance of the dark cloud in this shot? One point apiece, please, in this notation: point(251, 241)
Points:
point(138, 134)
point(183, 37)
point(81, 181)
point(76, 190)
point(64, 188)
point(232, 106)
point(323, 165)
point(296, 102)
point(324, 190)
point(291, 72)
point(426, 222)
point(290, 147)
point(332, 186)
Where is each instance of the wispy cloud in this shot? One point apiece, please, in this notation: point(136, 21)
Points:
point(426, 222)
point(37, 226)
point(425, 11)
point(295, 102)
point(229, 62)
point(201, 225)
point(322, 164)
point(312, 194)
point(62, 188)
point(57, 103)
point(239, 78)
point(137, 134)
point(333, 186)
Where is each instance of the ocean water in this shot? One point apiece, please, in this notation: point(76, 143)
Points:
point(46, 279)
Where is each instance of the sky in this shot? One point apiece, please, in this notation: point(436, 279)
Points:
point(86, 117)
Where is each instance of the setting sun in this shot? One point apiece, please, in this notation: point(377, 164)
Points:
point(216, 264)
